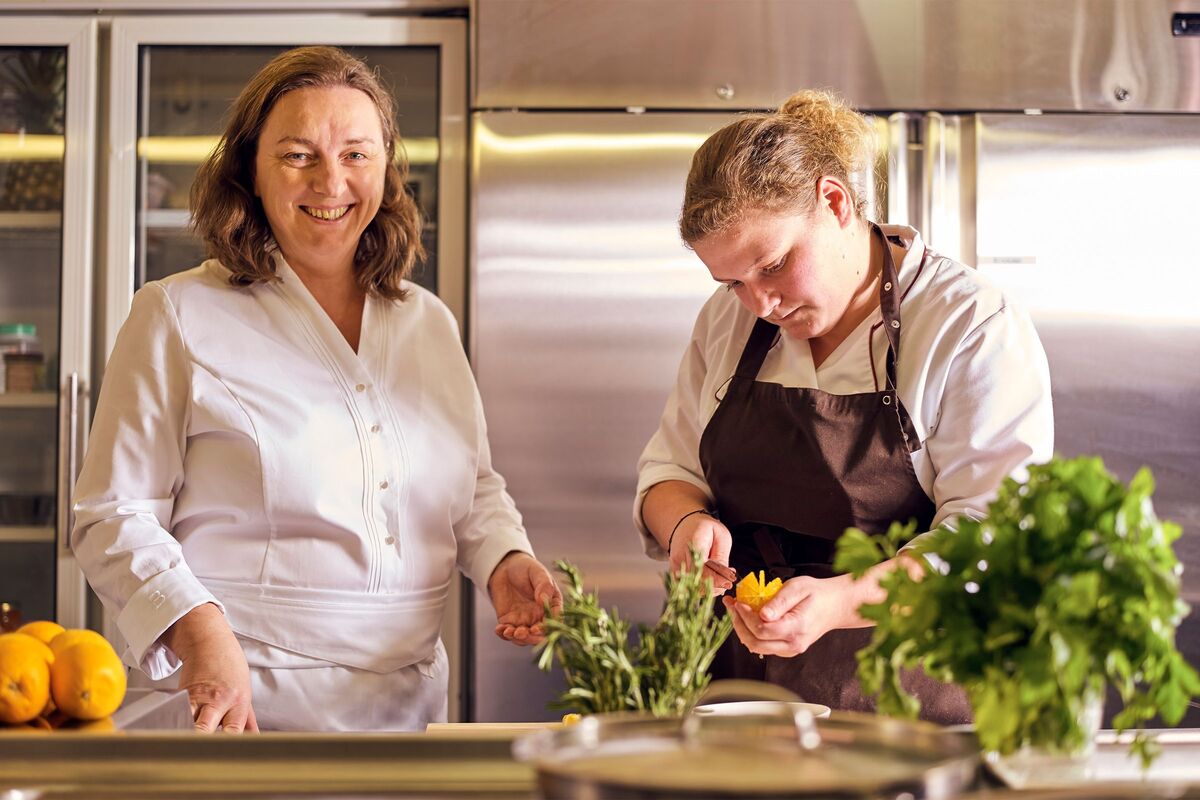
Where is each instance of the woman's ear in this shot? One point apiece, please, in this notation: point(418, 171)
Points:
point(833, 195)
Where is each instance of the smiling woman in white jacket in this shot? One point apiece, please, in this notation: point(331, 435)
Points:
point(289, 456)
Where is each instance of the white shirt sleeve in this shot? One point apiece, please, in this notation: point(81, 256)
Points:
point(492, 528)
point(673, 452)
point(126, 491)
point(995, 416)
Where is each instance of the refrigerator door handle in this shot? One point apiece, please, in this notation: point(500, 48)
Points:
point(933, 177)
point(898, 189)
point(69, 448)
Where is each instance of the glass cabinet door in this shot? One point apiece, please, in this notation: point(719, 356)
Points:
point(32, 124)
point(182, 112)
point(43, 310)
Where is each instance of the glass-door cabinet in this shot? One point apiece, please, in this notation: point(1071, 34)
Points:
point(47, 151)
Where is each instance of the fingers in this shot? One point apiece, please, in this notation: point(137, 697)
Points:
point(208, 718)
point(790, 595)
point(738, 613)
point(720, 584)
point(251, 722)
point(722, 542)
point(521, 634)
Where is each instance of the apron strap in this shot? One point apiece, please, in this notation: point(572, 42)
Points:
point(889, 306)
point(762, 339)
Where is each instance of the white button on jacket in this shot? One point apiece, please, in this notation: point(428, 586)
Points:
point(243, 453)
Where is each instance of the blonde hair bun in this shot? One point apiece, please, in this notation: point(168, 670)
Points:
point(772, 162)
point(846, 134)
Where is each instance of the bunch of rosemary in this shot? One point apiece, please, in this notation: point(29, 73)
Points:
point(664, 671)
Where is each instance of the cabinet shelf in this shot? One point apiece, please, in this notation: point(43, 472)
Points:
point(16, 533)
point(166, 217)
point(28, 399)
point(30, 220)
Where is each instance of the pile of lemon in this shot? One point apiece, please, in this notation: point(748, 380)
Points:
point(50, 673)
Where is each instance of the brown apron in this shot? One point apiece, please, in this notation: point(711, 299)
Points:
point(791, 469)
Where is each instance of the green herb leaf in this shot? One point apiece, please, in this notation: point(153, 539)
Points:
point(663, 671)
point(1069, 583)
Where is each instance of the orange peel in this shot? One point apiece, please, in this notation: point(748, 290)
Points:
point(754, 591)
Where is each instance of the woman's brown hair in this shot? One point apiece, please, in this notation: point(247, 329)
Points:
point(230, 218)
point(772, 162)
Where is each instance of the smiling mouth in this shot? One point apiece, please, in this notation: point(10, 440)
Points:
point(327, 214)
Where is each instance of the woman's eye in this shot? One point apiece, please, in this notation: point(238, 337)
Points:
point(357, 156)
point(778, 265)
point(296, 157)
point(729, 287)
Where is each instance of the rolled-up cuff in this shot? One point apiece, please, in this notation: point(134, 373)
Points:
point(495, 547)
point(153, 608)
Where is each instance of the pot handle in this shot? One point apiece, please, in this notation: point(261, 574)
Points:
point(807, 735)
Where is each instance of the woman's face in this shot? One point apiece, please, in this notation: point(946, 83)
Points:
point(320, 173)
point(795, 270)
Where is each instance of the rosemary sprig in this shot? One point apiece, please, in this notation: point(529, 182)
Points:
point(663, 672)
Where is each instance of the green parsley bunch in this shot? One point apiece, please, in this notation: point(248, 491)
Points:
point(1068, 584)
point(664, 671)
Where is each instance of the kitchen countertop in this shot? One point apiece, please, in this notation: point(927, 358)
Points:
point(449, 762)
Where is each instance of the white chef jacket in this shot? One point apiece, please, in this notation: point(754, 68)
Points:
point(242, 453)
point(972, 374)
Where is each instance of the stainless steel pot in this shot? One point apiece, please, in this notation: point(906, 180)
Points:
point(784, 755)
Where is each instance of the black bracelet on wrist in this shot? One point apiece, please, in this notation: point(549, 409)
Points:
point(671, 538)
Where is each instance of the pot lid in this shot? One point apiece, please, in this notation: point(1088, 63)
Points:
point(754, 755)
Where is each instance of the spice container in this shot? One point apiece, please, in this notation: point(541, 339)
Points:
point(10, 616)
point(20, 358)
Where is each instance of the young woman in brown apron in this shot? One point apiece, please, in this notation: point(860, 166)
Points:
point(778, 473)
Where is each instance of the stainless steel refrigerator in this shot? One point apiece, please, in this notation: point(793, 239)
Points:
point(1055, 146)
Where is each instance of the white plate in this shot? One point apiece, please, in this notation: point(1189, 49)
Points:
point(758, 707)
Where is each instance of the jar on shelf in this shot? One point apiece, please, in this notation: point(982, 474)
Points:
point(20, 358)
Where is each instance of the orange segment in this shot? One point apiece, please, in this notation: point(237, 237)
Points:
point(24, 677)
point(754, 591)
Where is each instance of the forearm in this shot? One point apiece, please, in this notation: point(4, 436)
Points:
point(666, 503)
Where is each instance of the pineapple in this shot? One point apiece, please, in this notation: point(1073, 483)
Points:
point(33, 82)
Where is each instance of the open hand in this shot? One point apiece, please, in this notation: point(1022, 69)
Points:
point(519, 587)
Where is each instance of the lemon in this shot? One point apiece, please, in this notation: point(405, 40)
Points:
point(88, 679)
point(43, 630)
point(24, 677)
point(72, 636)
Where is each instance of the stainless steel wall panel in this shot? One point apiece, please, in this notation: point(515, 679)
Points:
point(692, 54)
point(883, 55)
point(1090, 222)
point(1085, 55)
point(583, 301)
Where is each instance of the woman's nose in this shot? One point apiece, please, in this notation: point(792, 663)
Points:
point(328, 178)
point(761, 301)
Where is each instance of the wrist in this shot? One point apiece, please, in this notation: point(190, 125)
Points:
point(674, 530)
point(194, 629)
